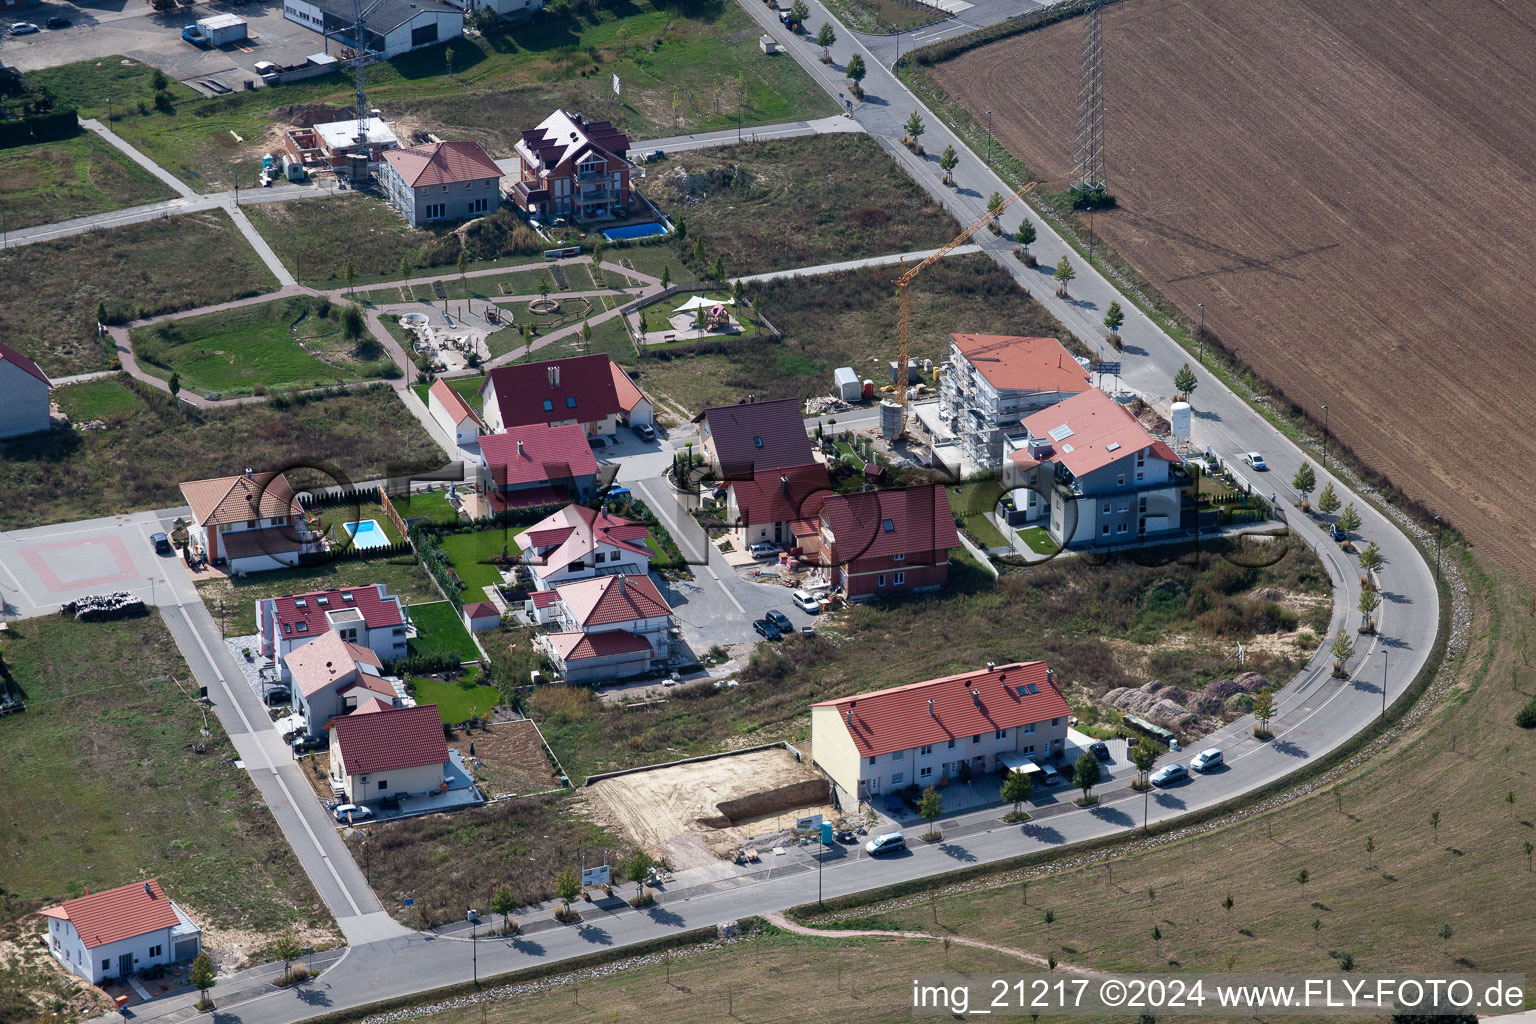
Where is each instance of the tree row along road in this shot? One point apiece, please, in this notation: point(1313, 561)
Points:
point(1316, 712)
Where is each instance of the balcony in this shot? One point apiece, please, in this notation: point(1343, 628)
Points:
point(595, 174)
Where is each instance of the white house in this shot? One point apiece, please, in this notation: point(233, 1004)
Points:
point(252, 521)
point(441, 181)
point(23, 394)
point(601, 625)
point(119, 932)
point(332, 677)
point(379, 753)
point(392, 27)
point(368, 616)
point(578, 543)
point(931, 732)
point(995, 380)
point(452, 413)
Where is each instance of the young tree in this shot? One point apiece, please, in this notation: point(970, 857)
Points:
point(1328, 501)
point(1434, 823)
point(287, 949)
point(353, 327)
point(825, 37)
point(1303, 876)
point(1370, 558)
point(405, 267)
point(1185, 381)
point(930, 806)
point(1349, 519)
point(698, 251)
point(545, 285)
point(1370, 848)
point(448, 59)
point(1342, 650)
point(175, 384)
point(204, 975)
point(948, 161)
point(1157, 939)
point(1114, 316)
point(638, 868)
point(915, 127)
point(1370, 600)
point(502, 903)
point(855, 70)
point(1226, 905)
point(586, 333)
point(798, 11)
point(462, 263)
point(158, 81)
point(349, 273)
point(598, 249)
point(1445, 934)
point(1016, 789)
point(757, 309)
point(1050, 919)
point(1263, 711)
point(717, 272)
point(568, 886)
point(1086, 774)
point(737, 292)
point(1305, 480)
point(1026, 235)
point(666, 276)
point(994, 203)
point(1144, 756)
point(1064, 275)
point(1530, 848)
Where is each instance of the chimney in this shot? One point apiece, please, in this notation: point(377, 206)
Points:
point(930, 707)
point(976, 697)
point(621, 583)
point(148, 891)
point(556, 371)
point(519, 447)
point(991, 665)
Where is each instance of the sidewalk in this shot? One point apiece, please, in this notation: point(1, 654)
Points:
point(911, 259)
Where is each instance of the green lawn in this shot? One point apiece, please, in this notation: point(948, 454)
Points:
point(288, 343)
point(338, 516)
point(459, 700)
point(104, 788)
point(55, 181)
point(439, 630)
point(468, 389)
point(432, 504)
point(973, 501)
point(50, 290)
point(499, 85)
point(470, 554)
point(1039, 541)
point(403, 577)
point(97, 399)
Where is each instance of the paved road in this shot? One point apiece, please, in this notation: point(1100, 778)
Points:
point(834, 124)
point(888, 260)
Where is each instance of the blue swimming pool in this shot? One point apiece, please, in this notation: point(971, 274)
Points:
point(368, 534)
point(635, 231)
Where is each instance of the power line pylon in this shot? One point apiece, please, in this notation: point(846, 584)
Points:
point(1088, 169)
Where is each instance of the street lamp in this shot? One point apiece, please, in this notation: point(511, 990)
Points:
point(1202, 333)
point(989, 138)
point(1439, 529)
point(1325, 437)
point(474, 945)
point(1383, 684)
point(1090, 234)
point(109, 112)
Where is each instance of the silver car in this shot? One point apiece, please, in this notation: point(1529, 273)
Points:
point(1207, 759)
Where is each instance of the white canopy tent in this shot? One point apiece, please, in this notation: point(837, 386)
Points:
point(1018, 762)
point(700, 302)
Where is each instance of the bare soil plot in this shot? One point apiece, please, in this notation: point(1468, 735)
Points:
point(511, 758)
point(1346, 188)
point(691, 814)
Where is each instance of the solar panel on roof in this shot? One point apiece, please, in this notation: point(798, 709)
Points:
point(1061, 433)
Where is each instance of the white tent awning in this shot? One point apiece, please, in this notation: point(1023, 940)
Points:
point(700, 302)
point(1018, 762)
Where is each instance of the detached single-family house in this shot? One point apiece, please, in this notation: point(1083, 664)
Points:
point(392, 27)
point(24, 391)
point(609, 628)
point(572, 167)
point(253, 522)
point(380, 753)
point(578, 543)
point(119, 932)
point(441, 181)
point(368, 616)
point(763, 508)
point(452, 413)
point(740, 440)
point(332, 677)
point(926, 733)
point(537, 465)
point(588, 390)
point(1093, 474)
point(996, 380)
point(884, 543)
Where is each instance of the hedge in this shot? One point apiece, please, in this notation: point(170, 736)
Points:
point(61, 124)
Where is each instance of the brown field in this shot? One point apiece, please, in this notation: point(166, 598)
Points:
point(512, 758)
point(1346, 188)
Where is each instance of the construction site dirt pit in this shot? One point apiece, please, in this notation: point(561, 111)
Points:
point(692, 815)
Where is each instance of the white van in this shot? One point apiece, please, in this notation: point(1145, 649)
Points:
point(805, 602)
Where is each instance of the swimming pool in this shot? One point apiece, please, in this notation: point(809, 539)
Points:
point(635, 231)
point(368, 534)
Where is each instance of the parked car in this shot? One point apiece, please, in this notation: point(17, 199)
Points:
point(1099, 750)
point(1207, 759)
point(23, 28)
point(1169, 774)
point(1256, 460)
point(1337, 532)
point(162, 544)
point(805, 602)
point(781, 620)
point(1049, 776)
point(309, 744)
point(764, 550)
point(888, 843)
point(617, 494)
point(355, 812)
point(279, 695)
point(766, 629)
point(57, 22)
point(645, 431)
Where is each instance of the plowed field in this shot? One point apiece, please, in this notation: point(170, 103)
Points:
point(1348, 189)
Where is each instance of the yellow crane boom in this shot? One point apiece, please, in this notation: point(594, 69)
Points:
point(903, 305)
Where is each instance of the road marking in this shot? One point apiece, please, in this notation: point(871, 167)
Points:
point(724, 589)
point(315, 840)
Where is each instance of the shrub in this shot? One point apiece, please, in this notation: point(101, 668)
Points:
point(1526, 718)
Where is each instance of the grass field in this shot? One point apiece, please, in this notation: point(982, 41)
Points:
point(1039, 540)
point(973, 501)
point(51, 289)
point(471, 553)
point(98, 399)
point(77, 177)
point(155, 442)
point(402, 577)
point(795, 203)
point(432, 504)
point(457, 700)
point(102, 772)
point(499, 86)
point(883, 15)
point(468, 388)
point(440, 631)
point(290, 343)
point(844, 319)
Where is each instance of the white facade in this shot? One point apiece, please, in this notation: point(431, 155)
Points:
point(388, 642)
point(418, 780)
point(125, 956)
point(465, 430)
point(603, 560)
point(23, 402)
point(432, 23)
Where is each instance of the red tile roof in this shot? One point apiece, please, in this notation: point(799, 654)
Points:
point(1023, 364)
point(275, 540)
point(940, 710)
point(629, 393)
point(1102, 431)
point(901, 521)
point(535, 453)
point(610, 599)
point(580, 388)
point(607, 644)
point(544, 598)
point(482, 610)
point(772, 495)
point(442, 163)
point(386, 740)
point(527, 497)
point(758, 435)
point(235, 499)
point(378, 607)
point(10, 355)
point(117, 914)
point(575, 531)
point(452, 400)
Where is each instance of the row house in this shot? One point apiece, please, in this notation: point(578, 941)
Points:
point(884, 543)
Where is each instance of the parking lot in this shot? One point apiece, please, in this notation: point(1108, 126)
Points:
point(130, 29)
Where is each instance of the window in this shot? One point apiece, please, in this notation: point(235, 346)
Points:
point(1029, 749)
point(301, 627)
point(899, 558)
point(898, 778)
point(898, 755)
point(1029, 729)
point(881, 581)
point(549, 406)
point(570, 401)
point(1141, 506)
point(56, 942)
point(976, 738)
point(155, 950)
point(600, 557)
point(901, 578)
point(445, 190)
point(951, 744)
point(925, 749)
point(250, 524)
point(873, 758)
point(383, 785)
point(925, 773)
point(106, 965)
point(1120, 528)
point(1105, 529)
point(888, 525)
point(757, 442)
point(478, 205)
point(1001, 734)
point(1120, 480)
point(1055, 722)
point(468, 185)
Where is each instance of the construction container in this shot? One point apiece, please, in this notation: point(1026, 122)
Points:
point(847, 384)
point(221, 29)
point(869, 389)
point(890, 420)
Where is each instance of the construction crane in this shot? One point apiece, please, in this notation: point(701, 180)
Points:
point(903, 301)
point(360, 12)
